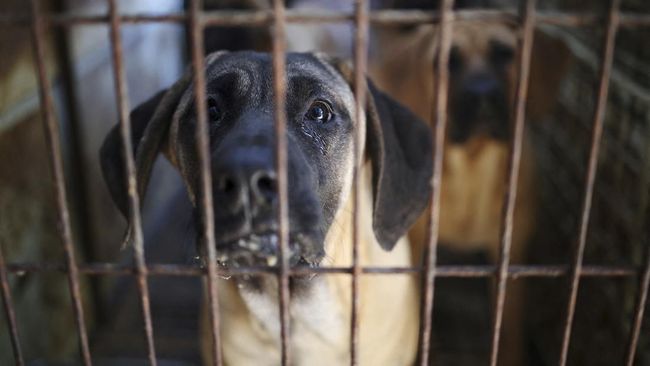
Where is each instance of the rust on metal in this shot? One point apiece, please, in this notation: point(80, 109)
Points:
point(439, 117)
point(203, 151)
point(279, 99)
point(360, 64)
point(58, 177)
point(474, 271)
point(135, 222)
point(527, 33)
point(379, 17)
point(590, 179)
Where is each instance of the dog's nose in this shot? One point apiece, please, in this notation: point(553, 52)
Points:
point(480, 85)
point(238, 186)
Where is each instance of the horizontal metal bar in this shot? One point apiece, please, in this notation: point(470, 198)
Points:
point(514, 271)
point(383, 17)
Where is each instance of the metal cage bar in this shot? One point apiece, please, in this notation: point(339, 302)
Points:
point(58, 176)
point(439, 117)
point(10, 313)
point(379, 17)
point(590, 179)
point(527, 30)
point(642, 300)
point(279, 98)
point(360, 64)
point(135, 222)
point(465, 271)
point(203, 151)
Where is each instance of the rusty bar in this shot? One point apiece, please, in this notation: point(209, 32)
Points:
point(526, 36)
point(360, 64)
point(642, 299)
point(474, 271)
point(383, 17)
point(58, 178)
point(439, 117)
point(135, 223)
point(279, 100)
point(203, 150)
point(599, 117)
point(9, 311)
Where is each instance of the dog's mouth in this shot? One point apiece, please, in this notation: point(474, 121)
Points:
point(262, 250)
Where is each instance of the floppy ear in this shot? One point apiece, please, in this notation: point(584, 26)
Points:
point(400, 148)
point(149, 126)
point(544, 80)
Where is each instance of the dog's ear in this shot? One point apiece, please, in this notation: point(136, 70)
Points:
point(544, 80)
point(149, 127)
point(400, 148)
point(111, 154)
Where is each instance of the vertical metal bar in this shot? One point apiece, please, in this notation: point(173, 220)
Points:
point(9, 311)
point(360, 64)
point(58, 177)
point(599, 117)
point(644, 288)
point(441, 76)
point(527, 33)
point(203, 147)
point(135, 221)
point(78, 176)
point(279, 96)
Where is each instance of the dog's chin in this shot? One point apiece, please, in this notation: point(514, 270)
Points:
point(260, 251)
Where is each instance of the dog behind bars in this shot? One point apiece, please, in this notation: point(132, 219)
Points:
point(482, 77)
point(395, 174)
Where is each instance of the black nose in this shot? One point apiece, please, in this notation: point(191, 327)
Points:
point(240, 186)
point(481, 85)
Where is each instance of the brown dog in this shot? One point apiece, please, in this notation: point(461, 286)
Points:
point(482, 77)
point(321, 123)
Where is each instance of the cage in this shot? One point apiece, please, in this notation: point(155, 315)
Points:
point(71, 295)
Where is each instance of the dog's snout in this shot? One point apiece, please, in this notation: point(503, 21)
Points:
point(263, 186)
point(481, 85)
point(239, 186)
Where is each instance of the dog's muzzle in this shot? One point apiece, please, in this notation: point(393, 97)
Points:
point(246, 220)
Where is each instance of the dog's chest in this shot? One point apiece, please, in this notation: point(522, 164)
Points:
point(317, 329)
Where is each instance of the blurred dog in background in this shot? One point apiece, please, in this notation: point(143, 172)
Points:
point(482, 82)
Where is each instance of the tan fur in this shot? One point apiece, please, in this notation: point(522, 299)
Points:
point(474, 173)
point(319, 323)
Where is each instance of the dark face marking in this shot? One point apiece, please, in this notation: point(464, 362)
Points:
point(319, 138)
point(479, 102)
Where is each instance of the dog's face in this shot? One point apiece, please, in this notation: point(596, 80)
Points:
point(241, 117)
point(320, 132)
point(481, 75)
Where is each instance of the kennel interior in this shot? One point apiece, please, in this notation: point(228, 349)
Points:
point(58, 69)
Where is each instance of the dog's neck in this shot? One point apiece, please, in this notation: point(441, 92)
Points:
point(338, 249)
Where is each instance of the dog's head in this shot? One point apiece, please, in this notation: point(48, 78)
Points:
point(481, 79)
point(320, 110)
point(482, 75)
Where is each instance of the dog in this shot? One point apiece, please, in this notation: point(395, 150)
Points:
point(482, 79)
point(395, 175)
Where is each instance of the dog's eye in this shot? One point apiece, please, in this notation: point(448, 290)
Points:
point(319, 111)
point(501, 54)
point(214, 113)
